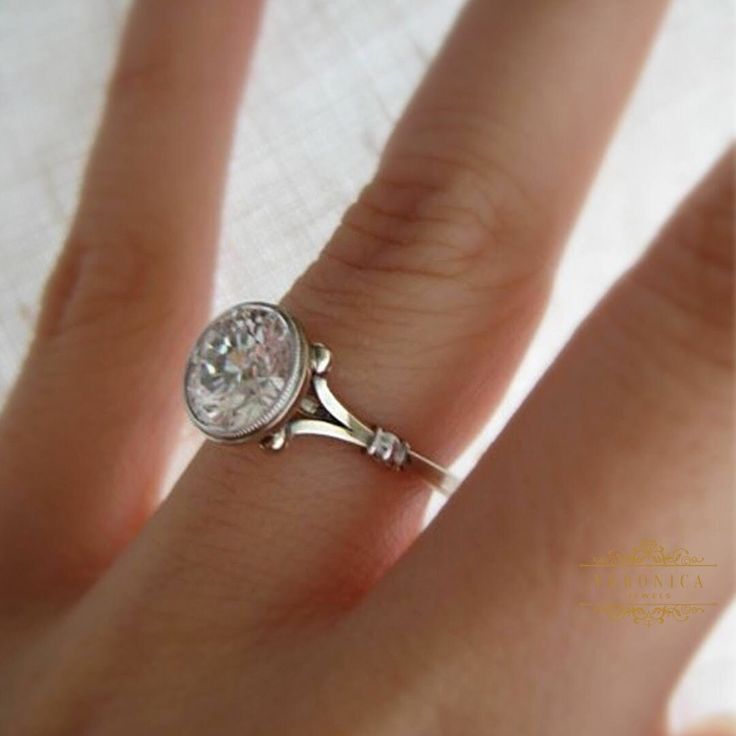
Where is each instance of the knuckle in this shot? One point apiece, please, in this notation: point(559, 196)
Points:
point(430, 234)
point(99, 286)
point(411, 226)
point(688, 279)
point(441, 215)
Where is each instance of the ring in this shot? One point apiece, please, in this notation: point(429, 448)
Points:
point(254, 376)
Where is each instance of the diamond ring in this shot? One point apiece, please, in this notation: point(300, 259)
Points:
point(253, 376)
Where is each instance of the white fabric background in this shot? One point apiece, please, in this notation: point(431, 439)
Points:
point(329, 80)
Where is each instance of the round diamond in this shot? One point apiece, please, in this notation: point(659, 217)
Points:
point(245, 371)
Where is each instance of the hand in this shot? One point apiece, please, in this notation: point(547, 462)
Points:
point(277, 594)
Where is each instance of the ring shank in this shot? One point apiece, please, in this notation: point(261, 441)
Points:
point(440, 478)
point(344, 426)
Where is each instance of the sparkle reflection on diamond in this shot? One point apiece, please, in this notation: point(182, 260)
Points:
point(243, 371)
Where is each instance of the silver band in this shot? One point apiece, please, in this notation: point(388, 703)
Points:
point(322, 414)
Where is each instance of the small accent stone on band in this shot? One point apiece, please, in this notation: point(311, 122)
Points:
point(388, 448)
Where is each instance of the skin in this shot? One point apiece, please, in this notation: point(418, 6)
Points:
point(278, 593)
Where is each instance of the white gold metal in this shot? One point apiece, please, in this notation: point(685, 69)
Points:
point(305, 404)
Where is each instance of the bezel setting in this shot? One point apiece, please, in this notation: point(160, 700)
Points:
point(231, 325)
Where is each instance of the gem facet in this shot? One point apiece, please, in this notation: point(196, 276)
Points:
point(245, 371)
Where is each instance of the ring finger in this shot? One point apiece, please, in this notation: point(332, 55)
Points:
point(426, 294)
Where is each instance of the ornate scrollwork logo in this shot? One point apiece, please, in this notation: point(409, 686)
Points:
point(648, 615)
point(647, 552)
point(650, 584)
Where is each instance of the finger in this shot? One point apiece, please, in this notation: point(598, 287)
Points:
point(87, 431)
point(628, 437)
point(426, 295)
